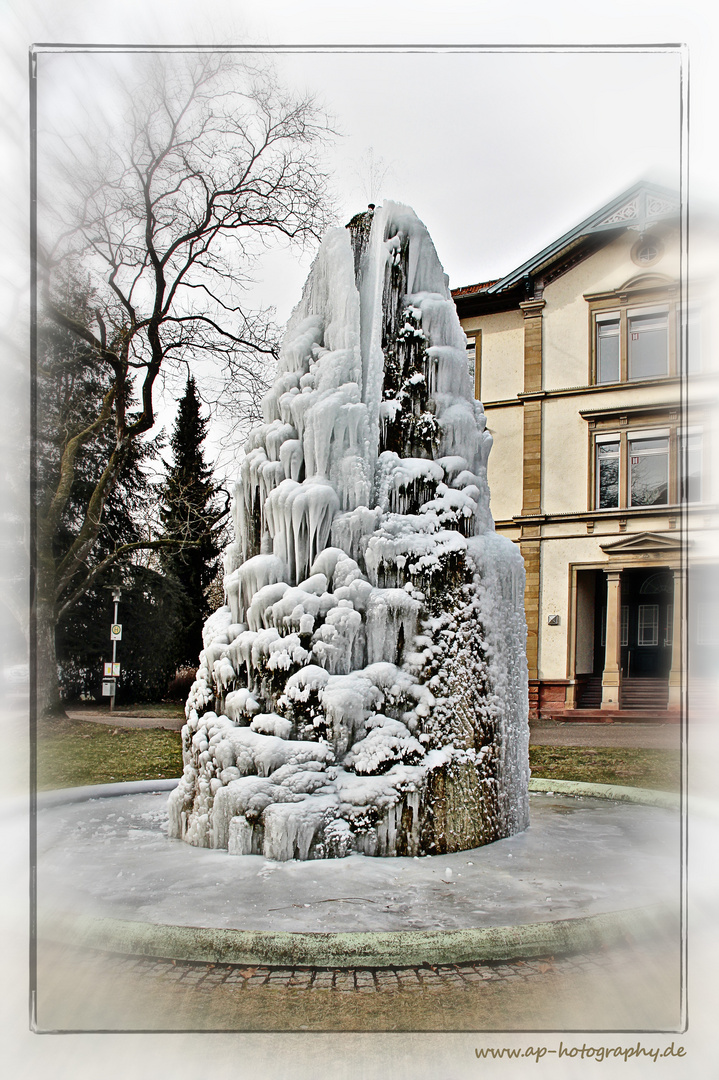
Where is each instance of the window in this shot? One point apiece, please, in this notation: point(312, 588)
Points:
point(607, 471)
point(633, 468)
point(625, 625)
point(669, 625)
point(648, 628)
point(474, 360)
point(694, 341)
point(690, 465)
point(646, 252)
point(648, 344)
point(690, 349)
point(608, 348)
point(630, 343)
point(649, 471)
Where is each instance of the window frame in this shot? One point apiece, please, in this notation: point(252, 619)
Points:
point(601, 319)
point(647, 435)
point(644, 624)
point(624, 433)
point(685, 433)
point(600, 439)
point(474, 343)
point(643, 314)
point(625, 305)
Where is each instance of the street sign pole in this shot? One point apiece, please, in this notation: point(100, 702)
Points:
point(116, 598)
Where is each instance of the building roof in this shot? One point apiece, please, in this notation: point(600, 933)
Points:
point(639, 207)
point(469, 290)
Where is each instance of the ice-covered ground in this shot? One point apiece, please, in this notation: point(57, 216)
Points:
point(581, 856)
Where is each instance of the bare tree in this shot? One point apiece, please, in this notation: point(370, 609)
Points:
point(211, 161)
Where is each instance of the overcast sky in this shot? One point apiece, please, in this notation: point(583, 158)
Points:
point(499, 151)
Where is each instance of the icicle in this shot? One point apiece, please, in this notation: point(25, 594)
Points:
point(373, 618)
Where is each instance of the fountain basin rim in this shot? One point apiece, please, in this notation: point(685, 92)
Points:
point(373, 949)
point(642, 796)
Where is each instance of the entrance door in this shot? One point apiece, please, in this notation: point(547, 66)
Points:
point(647, 621)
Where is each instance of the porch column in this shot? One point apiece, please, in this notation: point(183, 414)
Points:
point(676, 671)
point(611, 677)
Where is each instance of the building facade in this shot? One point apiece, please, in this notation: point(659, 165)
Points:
point(600, 464)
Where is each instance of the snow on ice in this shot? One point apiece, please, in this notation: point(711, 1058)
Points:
point(365, 687)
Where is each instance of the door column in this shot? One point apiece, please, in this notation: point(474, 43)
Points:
point(676, 670)
point(611, 677)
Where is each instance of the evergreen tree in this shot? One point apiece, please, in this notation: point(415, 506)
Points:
point(191, 514)
point(71, 389)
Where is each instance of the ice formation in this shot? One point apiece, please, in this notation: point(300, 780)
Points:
point(365, 686)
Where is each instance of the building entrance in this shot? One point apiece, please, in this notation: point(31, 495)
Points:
point(639, 624)
point(647, 622)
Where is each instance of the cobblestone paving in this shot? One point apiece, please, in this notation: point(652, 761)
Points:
point(208, 977)
point(633, 985)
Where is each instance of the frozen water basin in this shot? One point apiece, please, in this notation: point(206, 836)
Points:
point(583, 856)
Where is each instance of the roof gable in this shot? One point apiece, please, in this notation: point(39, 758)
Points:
point(637, 208)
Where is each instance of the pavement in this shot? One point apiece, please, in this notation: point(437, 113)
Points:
point(645, 736)
point(633, 986)
point(121, 719)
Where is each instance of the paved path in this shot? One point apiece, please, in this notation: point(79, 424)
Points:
point(541, 732)
point(122, 720)
point(642, 736)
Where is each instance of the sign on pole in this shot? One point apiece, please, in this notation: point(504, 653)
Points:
point(111, 670)
point(116, 632)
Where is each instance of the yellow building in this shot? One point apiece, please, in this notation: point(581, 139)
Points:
point(598, 469)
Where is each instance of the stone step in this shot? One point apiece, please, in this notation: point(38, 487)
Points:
point(615, 716)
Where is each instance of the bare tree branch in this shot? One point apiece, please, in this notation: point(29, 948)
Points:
point(166, 215)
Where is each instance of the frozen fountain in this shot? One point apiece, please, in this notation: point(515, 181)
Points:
point(365, 687)
point(363, 692)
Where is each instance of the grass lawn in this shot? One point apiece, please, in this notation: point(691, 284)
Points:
point(71, 753)
point(76, 752)
point(628, 766)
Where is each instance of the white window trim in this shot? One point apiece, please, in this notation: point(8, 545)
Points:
point(644, 625)
point(616, 455)
point(613, 437)
point(656, 309)
point(648, 433)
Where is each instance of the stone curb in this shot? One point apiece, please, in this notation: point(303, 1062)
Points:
point(368, 949)
point(63, 796)
point(411, 948)
point(642, 796)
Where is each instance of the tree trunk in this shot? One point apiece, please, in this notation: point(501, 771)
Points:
point(44, 611)
point(46, 681)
